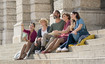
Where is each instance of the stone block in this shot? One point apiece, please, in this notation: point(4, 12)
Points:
point(40, 7)
point(96, 41)
point(57, 62)
point(21, 2)
point(7, 36)
point(38, 61)
point(9, 25)
point(23, 16)
point(102, 31)
point(1, 12)
point(68, 4)
point(10, 4)
point(10, 18)
point(52, 20)
point(58, 4)
point(1, 5)
point(95, 4)
point(86, 54)
point(11, 11)
point(17, 33)
point(1, 18)
point(41, 1)
point(23, 8)
point(95, 32)
point(38, 15)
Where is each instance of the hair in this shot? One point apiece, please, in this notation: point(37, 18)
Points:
point(33, 23)
point(77, 14)
point(68, 15)
point(58, 13)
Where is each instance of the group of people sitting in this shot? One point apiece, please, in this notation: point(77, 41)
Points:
point(57, 37)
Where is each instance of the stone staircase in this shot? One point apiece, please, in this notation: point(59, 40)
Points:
point(91, 53)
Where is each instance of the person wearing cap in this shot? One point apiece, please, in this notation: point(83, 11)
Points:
point(44, 29)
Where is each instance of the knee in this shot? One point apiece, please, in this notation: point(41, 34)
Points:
point(45, 35)
point(24, 45)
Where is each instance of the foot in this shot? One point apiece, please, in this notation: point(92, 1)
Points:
point(43, 52)
point(64, 49)
point(58, 50)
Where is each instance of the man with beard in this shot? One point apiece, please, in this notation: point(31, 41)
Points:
point(58, 25)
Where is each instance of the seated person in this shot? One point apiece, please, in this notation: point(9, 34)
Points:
point(44, 29)
point(79, 30)
point(31, 38)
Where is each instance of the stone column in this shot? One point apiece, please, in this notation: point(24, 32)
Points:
point(1, 20)
point(9, 19)
point(40, 9)
point(23, 16)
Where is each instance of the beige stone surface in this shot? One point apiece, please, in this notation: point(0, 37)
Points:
point(58, 4)
point(41, 1)
point(38, 15)
point(41, 7)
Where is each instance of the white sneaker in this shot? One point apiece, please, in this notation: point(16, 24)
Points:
point(58, 50)
point(64, 50)
point(37, 51)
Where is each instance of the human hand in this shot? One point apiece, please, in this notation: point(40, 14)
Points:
point(39, 39)
point(36, 44)
point(74, 32)
point(22, 24)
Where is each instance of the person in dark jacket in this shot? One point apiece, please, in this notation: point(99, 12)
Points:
point(37, 44)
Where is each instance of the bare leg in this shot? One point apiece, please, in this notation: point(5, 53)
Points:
point(51, 44)
point(60, 40)
point(24, 50)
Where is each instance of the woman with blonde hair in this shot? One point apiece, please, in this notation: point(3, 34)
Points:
point(36, 46)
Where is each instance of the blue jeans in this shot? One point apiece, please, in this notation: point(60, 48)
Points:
point(70, 40)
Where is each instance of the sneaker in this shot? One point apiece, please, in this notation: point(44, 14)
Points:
point(58, 50)
point(64, 50)
point(37, 51)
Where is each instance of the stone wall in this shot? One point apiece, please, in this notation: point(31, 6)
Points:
point(91, 11)
point(1, 20)
point(30, 11)
point(9, 19)
point(40, 9)
point(23, 16)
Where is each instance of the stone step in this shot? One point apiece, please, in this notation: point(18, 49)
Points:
point(56, 61)
point(97, 41)
point(82, 54)
point(87, 48)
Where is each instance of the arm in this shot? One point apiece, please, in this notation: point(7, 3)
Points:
point(39, 33)
point(51, 29)
point(33, 37)
point(64, 31)
point(77, 29)
point(22, 26)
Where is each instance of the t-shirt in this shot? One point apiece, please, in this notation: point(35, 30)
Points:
point(83, 30)
point(57, 26)
point(43, 32)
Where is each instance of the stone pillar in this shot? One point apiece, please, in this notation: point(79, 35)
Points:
point(40, 9)
point(1, 20)
point(9, 19)
point(92, 11)
point(23, 16)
